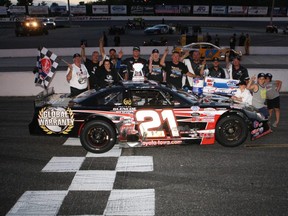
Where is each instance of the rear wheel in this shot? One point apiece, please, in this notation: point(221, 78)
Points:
point(231, 131)
point(98, 136)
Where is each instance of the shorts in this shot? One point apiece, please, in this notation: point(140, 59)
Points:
point(273, 103)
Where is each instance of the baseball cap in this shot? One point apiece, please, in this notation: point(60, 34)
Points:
point(261, 75)
point(136, 48)
point(76, 55)
point(155, 51)
point(268, 75)
point(242, 83)
point(216, 59)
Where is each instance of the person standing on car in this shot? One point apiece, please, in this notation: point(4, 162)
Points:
point(129, 62)
point(273, 97)
point(216, 71)
point(155, 68)
point(77, 76)
point(174, 70)
point(92, 65)
point(235, 70)
point(107, 75)
point(259, 93)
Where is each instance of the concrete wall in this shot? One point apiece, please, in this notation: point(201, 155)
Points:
point(22, 83)
point(144, 51)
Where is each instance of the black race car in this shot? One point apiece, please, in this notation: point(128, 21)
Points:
point(145, 114)
point(30, 26)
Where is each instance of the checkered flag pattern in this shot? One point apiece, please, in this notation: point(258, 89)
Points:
point(47, 62)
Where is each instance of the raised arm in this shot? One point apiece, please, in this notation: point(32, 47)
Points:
point(162, 61)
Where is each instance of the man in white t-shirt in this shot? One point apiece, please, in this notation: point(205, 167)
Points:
point(242, 95)
point(77, 76)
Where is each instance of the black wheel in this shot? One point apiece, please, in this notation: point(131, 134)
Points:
point(98, 136)
point(231, 131)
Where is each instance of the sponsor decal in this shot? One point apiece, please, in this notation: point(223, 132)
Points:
point(56, 120)
point(127, 101)
point(161, 142)
point(124, 109)
point(195, 108)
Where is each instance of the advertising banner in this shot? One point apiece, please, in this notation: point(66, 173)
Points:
point(3, 10)
point(166, 9)
point(148, 10)
point(58, 9)
point(118, 9)
point(279, 11)
point(100, 9)
point(79, 9)
point(17, 9)
point(237, 10)
point(258, 11)
point(220, 10)
point(137, 9)
point(201, 9)
point(38, 10)
point(185, 9)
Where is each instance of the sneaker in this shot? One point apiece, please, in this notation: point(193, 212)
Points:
point(274, 124)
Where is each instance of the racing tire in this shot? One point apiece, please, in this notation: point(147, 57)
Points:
point(98, 136)
point(231, 131)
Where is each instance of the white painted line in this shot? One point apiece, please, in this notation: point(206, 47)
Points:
point(38, 203)
point(131, 202)
point(114, 152)
point(134, 164)
point(64, 164)
point(72, 142)
point(95, 180)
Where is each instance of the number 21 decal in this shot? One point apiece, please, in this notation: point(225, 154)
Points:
point(152, 128)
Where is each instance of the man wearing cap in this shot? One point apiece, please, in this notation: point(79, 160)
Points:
point(174, 70)
point(155, 69)
point(259, 93)
point(92, 65)
point(242, 95)
point(216, 70)
point(236, 70)
point(132, 60)
point(77, 76)
point(273, 97)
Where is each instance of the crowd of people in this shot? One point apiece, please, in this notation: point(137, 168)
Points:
point(103, 70)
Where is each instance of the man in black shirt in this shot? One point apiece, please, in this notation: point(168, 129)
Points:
point(174, 70)
point(92, 65)
point(236, 70)
point(129, 62)
point(216, 70)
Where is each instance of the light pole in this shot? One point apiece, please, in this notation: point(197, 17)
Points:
point(271, 14)
point(69, 14)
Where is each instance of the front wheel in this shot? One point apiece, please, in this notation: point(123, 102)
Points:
point(98, 136)
point(231, 131)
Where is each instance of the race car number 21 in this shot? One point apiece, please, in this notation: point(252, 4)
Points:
point(151, 122)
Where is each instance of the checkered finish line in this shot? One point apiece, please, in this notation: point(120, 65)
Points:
point(88, 182)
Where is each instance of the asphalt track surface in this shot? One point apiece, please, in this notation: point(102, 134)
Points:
point(37, 174)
